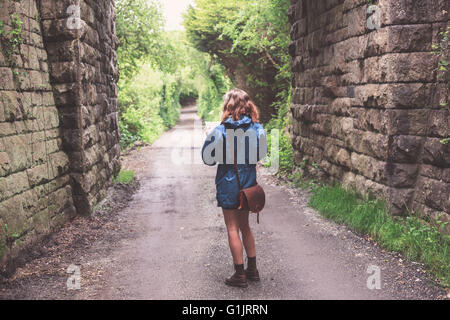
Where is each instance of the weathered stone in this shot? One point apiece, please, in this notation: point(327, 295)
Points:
point(31, 57)
point(436, 153)
point(433, 172)
point(40, 174)
point(7, 129)
point(371, 120)
point(355, 19)
point(79, 88)
point(60, 163)
point(402, 122)
point(404, 96)
point(64, 72)
point(57, 30)
point(368, 167)
point(65, 95)
point(399, 200)
point(42, 222)
point(60, 199)
point(401, 175)
point(366, 103)
point(439, 123)
point(17, 149)
point(15, 210)
point(5, 164)
point(72, 140)
point(368, 143)
point(405, 149)
point(411, 11)
point(434, 194)
point(6, 79)
point(55, 10)
point(399, 38)
point(13, 184)
point(343, 158)
point(400, 67)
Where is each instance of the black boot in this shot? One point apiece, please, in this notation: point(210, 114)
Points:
point(238, 279)
point(252, 272)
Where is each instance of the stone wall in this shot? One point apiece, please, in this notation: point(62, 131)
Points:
point(58, 117)
point(83, 64)
point(366, 101)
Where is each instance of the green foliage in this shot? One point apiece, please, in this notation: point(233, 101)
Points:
point(140, 100)
point(10, 237)
point(262, 27)
point(158, 69)
point(213, 87)
point(149, 102)
point(139, 27)
point(250, 27)
point(124, 176)
point(11, 40)
point(256, 33)
point(15, 34)
point(411, 236)
point(440, 49)
point(286, 162)
point(286, 151)
point(253, 34)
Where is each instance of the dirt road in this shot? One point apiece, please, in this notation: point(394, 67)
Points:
point(172, 242)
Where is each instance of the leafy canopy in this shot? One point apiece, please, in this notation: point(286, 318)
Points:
point(139, 27)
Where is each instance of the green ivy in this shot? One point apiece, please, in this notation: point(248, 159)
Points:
point(12, 40)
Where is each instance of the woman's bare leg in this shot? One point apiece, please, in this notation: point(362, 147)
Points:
point(247, 234)
point(231, 221)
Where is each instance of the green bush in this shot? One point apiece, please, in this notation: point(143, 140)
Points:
point(140, 103)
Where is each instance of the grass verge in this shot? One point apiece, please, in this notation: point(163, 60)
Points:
point(410, 236)
point(124, 176)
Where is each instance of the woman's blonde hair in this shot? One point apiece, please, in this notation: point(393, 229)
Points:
point(237, 103)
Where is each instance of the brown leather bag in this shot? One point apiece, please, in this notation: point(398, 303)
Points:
point(252, 199)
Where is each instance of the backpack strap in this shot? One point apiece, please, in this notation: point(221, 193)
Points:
point(235, 168)
point(236, 172)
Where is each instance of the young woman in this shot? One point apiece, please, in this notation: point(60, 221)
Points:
point(239, 112)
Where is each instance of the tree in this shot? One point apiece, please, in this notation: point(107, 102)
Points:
point(139, 27)
point(250, 38)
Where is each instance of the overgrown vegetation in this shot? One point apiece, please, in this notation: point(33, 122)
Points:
point(250, 39)
point(11, 39)
point(158, 69)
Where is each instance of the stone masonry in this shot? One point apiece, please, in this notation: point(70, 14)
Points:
point(59, 139)
point(366, 100)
